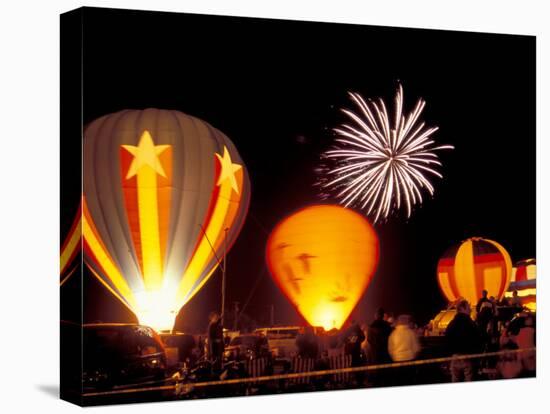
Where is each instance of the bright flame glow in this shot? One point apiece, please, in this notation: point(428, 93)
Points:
point(156, 309)
point(328, 316)
point(378, 164)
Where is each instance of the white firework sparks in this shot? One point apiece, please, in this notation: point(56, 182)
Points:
point(378, 165)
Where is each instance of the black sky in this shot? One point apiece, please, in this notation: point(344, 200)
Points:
point(275, 88)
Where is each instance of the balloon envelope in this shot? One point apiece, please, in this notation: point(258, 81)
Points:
point(472, 266)
point(323, 258)
point(524, 271)
point(524, 282)
point(165, 194)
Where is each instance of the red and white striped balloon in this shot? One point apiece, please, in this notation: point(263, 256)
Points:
point(474, 265)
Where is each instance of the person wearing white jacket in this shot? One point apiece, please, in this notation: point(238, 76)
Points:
point(403, 344)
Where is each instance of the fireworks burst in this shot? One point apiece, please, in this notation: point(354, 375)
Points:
point(378, 165)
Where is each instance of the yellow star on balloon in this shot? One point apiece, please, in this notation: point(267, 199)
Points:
point(145, 154)
point(228, 170)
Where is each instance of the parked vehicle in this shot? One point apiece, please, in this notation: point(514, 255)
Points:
point(179, 348)
point(119, 355)
point(246, 347)
point(439, 323)
point(228, 335)
point(281, 340)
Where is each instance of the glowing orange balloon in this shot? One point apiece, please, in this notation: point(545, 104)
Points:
point(472, 266)
point(323, 258)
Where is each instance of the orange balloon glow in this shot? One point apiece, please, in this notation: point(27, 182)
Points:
point(323, 258)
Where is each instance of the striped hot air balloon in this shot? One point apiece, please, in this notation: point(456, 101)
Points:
point(524, 271)
point(474, 265)
point(164, 195)
point(524, 281)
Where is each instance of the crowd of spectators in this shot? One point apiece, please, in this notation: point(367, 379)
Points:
point(488, 328)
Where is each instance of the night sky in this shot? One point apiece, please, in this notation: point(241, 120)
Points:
point(275, 88)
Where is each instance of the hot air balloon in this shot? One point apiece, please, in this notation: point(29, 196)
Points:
point(323, 258)
point(524, 271)
point(165, 195)
point(476, 264)
point(524, 281)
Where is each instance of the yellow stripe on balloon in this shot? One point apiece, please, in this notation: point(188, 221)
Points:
point(230, 217)
point(465, 271)
point(445, 285)
point(224, 213)
point(70, 247)
point(110, 289)
point(200, 285)
point(149, 228)
point(146, 165)
point(203, 254)
point(507, 261)
point(103, 259)
point(492, 281)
